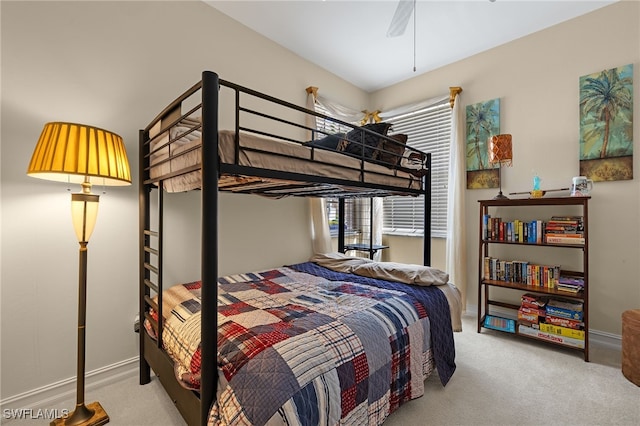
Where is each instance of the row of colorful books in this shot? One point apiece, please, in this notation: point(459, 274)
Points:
point(523, 272)
point(495, 229)
point(557, 230)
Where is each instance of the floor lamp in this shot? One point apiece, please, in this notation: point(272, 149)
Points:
point(75, 153)
point(500, 152)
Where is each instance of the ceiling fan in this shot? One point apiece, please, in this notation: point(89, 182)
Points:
point(401, 18)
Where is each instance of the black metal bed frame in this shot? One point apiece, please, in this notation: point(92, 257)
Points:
point(193, 406)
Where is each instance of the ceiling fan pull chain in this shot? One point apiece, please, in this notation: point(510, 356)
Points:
point(414, 35)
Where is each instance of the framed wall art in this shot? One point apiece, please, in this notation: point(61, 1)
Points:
point(482, 121)
point(606, 124)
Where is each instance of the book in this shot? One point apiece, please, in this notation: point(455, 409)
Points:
point(569, 288)
point(563, 233)
point(535, 311)
point(521, 227)
point(550, 337)
point(570, 283)
point(572, 305)
point(562, 331)
point(499, 323)
point(528, 315)
point(555, 239)
point(486, 226)
point(564, 322)
point(487, 268)
point(564, 313)
point(535, 300)
point(539, 231)
point(529, 324)
point(571, 220)
point(571, 279)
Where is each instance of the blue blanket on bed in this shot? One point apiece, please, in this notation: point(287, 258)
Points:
point(434, 301)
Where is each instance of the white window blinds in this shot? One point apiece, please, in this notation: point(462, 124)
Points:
point(429, 130)
point(328, 126)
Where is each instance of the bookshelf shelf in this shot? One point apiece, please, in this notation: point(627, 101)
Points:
point(534, 244)
point(487, 302)
point(534, 289)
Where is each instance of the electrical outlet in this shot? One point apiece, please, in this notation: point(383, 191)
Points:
point(136, 324)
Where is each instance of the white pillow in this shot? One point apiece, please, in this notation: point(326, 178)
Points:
point(402, 272)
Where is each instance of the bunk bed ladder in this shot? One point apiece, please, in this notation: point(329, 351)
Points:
point(145, 255)
point(151, 263)
point(144, 259)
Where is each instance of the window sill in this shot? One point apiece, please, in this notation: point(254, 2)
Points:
point(410, 234)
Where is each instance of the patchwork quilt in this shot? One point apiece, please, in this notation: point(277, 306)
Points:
point(301, 345)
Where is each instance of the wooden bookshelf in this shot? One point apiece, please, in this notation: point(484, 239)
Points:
point(485, 298)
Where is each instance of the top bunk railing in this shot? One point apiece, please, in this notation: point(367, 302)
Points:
point(249, 112)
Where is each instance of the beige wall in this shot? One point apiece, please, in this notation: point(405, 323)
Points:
point(536, 79)
point(116, 64)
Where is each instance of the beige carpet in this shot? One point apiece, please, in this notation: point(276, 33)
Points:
point(499, 381)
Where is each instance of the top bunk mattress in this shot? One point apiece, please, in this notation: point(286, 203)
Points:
point(176, 157)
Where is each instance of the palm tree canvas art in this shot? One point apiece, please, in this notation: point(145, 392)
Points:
point(482, 121)
point(606, 124)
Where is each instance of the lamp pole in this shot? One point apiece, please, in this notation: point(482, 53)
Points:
point(81, 413)
point(84, 211)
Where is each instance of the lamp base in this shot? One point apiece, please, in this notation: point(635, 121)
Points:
point(500, 196)
point(99, 417)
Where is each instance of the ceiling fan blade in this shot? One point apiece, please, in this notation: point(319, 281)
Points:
point(401, 18)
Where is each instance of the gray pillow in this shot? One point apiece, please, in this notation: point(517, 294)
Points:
point(327, 142)
point(372, 143)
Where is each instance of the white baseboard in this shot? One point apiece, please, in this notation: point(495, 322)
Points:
point(49, 395)
point(596, 337)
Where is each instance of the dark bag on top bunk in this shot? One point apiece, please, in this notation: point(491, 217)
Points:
point(358, 141)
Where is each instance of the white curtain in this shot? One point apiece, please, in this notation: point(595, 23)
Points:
point(456, 256)
point(378, 215)
point(336, 110)
point(317, 207)
point(318, 219)
point(411, 107)
point(320, 236)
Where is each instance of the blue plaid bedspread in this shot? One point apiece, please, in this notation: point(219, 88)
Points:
point(303, 345)
point(433, 300)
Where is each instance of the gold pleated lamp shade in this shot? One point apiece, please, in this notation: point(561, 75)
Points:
point(500, 150)
point(69, 152)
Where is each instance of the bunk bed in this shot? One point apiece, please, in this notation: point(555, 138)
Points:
point(271, 151)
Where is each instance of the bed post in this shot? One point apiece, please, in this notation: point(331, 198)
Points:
point(209, 308)
point(341, 222)
point(427, 213)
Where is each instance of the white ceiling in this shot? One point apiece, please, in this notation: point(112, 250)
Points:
point(348, 38)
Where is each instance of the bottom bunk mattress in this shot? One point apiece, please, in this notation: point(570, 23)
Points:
point(307, 345)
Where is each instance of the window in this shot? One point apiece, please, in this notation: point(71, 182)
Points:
point(354, 222)
point(332, 127)
point(429, 130)
point(327, 125)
